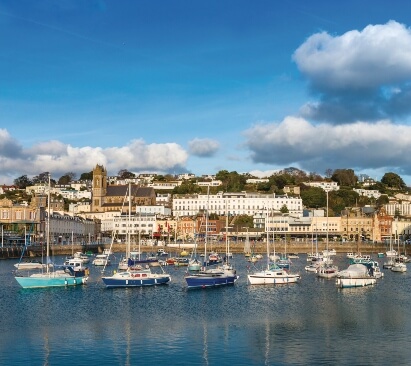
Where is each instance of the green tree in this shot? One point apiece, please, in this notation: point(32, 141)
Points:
point(125, 174)
point(187, 187)
point(232, 181)
point(41, 178)
point(244, 221)
point(86, 176)
point(22, 182)
point(345, 177)
point(284, 209)
point(313, 197)
point(393, 180)
point(382, 200)
point(67, 178)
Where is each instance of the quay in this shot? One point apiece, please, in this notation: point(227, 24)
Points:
point(176, 249)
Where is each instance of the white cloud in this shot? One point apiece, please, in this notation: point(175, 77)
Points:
point(356, 74)
point(377, 55)
point(203, 147)
point(59, 158)
point(315, 148)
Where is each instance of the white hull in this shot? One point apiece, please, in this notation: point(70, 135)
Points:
point(355, 282)
point(399, 267)
point(272, 278)
point(325, 272)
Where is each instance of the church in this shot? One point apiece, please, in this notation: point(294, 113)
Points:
point(115, 197)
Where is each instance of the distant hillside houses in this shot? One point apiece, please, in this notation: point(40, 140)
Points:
point(326, 186)
point(370, 193)
point(257, 180)
point(212, 183)
point(164, 185)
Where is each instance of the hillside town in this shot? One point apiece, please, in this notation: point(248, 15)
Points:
point(107, 208)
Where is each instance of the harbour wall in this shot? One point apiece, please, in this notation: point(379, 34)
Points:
point(176, 249)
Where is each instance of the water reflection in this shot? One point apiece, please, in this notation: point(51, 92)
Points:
point(311, 322)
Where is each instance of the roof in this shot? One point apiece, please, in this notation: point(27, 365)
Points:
point(136, 191)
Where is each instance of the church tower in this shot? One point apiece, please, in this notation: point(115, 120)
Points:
point(99, 188)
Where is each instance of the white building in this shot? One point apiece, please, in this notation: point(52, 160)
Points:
point(212, 183)
point(164, 185)
point(257, 180)
point(370, 193)
point(156, 210)
point(134, 225)
point(65, 229)
point(326, 186)
point(397, 208)
point(241, 203)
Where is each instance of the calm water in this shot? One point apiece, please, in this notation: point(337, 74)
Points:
point(311, 323)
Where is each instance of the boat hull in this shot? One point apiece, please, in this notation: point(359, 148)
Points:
point(355, 282)
point(50, 281)
point(210, 280)
point(272, 278)
point(130, 281)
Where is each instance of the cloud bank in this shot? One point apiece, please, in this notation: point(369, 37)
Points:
point(360, 75)
point(203, 147)
point(59, 158)
point(314, 148)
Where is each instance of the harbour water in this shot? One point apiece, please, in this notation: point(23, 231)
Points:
point(309, 323)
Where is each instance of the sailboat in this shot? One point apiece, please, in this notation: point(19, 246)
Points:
point(327, 270)
point(272, 274)
point(136, 275)
point(194, 264)
point(55, 276)
point(210, 277)
point(398, 266)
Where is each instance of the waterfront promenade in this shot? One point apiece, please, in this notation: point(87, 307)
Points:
point(175, 249)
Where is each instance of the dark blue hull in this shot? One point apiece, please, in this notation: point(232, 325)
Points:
point(204, 281)
point(133, 282)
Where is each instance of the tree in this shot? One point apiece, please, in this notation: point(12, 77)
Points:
point(345, 177)
point(125, 174)
point(382, 200)
point(328, 173)
point(313, 197)
point(41, 178)
point(284, 209)
point(67, 178)
point(86, 176)
point(244, 221)
point(233, 182)
point(393, 180)
point(22, 182)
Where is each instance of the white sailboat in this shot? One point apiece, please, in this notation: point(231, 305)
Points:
point(272, 274)
point(53, 276)
point(327, 270)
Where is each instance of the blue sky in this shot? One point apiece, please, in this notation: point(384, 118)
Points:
point(200, 86)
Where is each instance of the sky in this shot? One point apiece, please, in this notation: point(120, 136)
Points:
point(172, 86)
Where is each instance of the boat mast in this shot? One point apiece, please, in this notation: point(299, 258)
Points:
point(268, 239)
point(48, 226)
point(227, 248)
point(206, 231)
point(129, 221)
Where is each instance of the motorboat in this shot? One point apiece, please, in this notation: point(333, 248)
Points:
point(272, 275)
point(101, 260)
point(356, 275)
point(327, 271)
point(399, 267)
